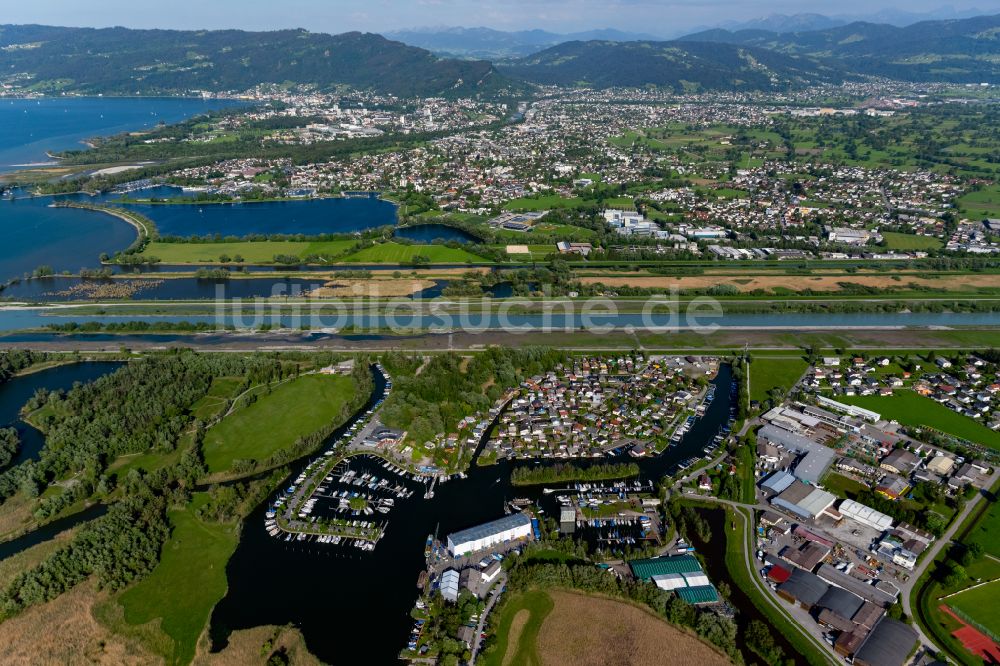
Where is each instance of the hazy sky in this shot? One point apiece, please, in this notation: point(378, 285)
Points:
point(652, 16)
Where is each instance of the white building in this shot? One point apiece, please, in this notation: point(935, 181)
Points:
point(852, 410)
point(508, 528)
point(449, 585)
point(865, 515)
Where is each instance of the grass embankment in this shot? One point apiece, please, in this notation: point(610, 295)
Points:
point(275, 420)
point(264, 252)
point(187, 583)
point(769, 373)
point(738, 544)
point(912, 409)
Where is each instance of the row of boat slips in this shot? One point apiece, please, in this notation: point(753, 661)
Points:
point(290, 515)
point(617, 489)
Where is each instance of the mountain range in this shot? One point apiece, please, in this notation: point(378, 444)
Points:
point(121, 61)
point(680, 65)
point(491, 44)
point(960, 51)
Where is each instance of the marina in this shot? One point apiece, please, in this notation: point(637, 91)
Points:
point(417, 525)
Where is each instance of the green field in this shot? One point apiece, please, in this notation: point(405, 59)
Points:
point(987, 530)
point(252, 252)
point(219, 393)
point(769, 373)
point(984, 203)
point(543, 203)
point(187, 583)
point(980, 606)
point(394, 253)
point(539, 605)
point(842, 486)
point(292, 410)
point(897, 241)
point(911, 409)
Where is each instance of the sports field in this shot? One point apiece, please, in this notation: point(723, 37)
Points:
point(980, 605)
point(898, 241)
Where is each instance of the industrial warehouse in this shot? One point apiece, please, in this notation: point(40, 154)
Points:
point(508, 528)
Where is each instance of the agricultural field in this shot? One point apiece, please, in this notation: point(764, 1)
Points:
point(981, 204)
point(187, 583)
point(275, 420)
point(517, 630)
point(252, 252)
point(769, 373)
point(562, 627)
point(395, 253)
point(911, 409)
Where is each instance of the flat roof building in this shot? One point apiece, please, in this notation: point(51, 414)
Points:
point(852, 410)
point(889, 644)
point(803, 588)
point(816, 457)
point(508, 528)
point(804, 500)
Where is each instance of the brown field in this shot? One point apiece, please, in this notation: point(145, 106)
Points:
point(607, 632)
point(248, 647)
point(15, 516)
point(800, 282)
point(370, 288)
point(64, 631)
point(517, 624)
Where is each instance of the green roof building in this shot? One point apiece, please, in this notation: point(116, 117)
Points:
point(659, 566)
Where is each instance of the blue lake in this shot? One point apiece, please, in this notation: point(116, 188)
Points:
point(31, 127)
point(65, 239)
point(309, 216)
point(68, 240)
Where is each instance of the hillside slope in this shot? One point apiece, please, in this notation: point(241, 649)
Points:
point(121, 61)
point(961, 51)
point(678, 65)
